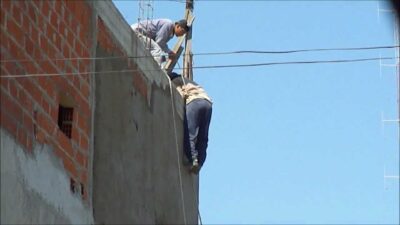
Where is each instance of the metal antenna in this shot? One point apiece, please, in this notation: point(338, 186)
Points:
point(146, 9)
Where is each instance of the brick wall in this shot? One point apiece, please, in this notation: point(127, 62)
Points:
point(40, 44)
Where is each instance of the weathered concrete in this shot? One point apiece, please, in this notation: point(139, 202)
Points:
point(35, 187)
point(137, 164)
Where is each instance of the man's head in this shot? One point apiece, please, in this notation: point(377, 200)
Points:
point(181, 28)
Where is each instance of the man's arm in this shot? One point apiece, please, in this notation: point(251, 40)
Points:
point(163, 36)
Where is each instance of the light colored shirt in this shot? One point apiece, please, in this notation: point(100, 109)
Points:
point(160, 30)
point(191, 91)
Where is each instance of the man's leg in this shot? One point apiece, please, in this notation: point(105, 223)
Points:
point(155, 50)
point(204, 124)
point(198, 114)
point(192, 115)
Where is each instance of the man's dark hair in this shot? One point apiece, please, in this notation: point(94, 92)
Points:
point(183, 24)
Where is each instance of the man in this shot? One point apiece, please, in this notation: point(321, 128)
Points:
point(156, 33)
point(197, 121)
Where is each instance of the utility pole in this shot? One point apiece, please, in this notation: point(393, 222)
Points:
point(178, 49)
point(188, 56)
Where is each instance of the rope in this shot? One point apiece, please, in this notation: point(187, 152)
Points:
point(198, 210)
point(177, 151)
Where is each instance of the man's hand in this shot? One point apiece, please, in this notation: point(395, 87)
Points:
point(171, 55)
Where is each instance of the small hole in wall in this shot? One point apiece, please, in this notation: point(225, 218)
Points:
point(72, 185)
point(34, 123)
point(82, 191)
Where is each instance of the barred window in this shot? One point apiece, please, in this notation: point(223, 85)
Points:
point(65, 116)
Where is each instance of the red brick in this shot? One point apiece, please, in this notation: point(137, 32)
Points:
point(85, 89)
point(70, 167)
point(46, 8)
point(53, 18)
point(58, 6)
point(38, 3)
point(84, 143)
point(32, 14)
point(83, 123)
point(47, 67)
point(30, 67)
point(85, 109)
point(46, 106)
point(84, 176)
point(54, 111)
point(61, 28)
point(58, 43)
point(81, 159)
point(67, 162)
point(29, 46)
point(15, 31)
point(34, 36)
point(25, 101)
point(28, 123)
point(43, 42)
point(31, 88)
point(4, 82)
point(65, 143)
point(17, 14)
point(4, 40)
point(7, 121)
point(85, 52)
point(40, 136)
point(26, 22)
point(47, 86)
point(13, 90)
point(3, 17)
point(66, 51)
point(45, 123)
point(14, 50)
point(6, 4)
point(76, 134)
point(13, 109)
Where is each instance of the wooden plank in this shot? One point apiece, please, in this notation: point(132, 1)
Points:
point(171, 63)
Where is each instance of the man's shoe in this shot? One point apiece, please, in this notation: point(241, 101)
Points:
point(195, 168)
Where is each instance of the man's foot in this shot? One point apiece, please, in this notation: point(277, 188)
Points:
point(195, 168)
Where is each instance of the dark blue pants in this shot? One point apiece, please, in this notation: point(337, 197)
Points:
point(197, 122)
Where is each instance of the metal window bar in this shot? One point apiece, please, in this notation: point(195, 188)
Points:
point(65, 117)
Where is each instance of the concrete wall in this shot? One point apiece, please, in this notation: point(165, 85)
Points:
point(35, 189)
point(125, 153)
point(138, 170)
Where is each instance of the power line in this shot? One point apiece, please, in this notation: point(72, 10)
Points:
point(294, 62)
point(299, 50)
point(205, 67)
point(211, 53)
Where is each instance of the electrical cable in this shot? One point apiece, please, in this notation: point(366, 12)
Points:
point(206, 67)
point(211, 53)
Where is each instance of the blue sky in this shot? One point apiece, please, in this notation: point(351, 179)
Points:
point(295, 144)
